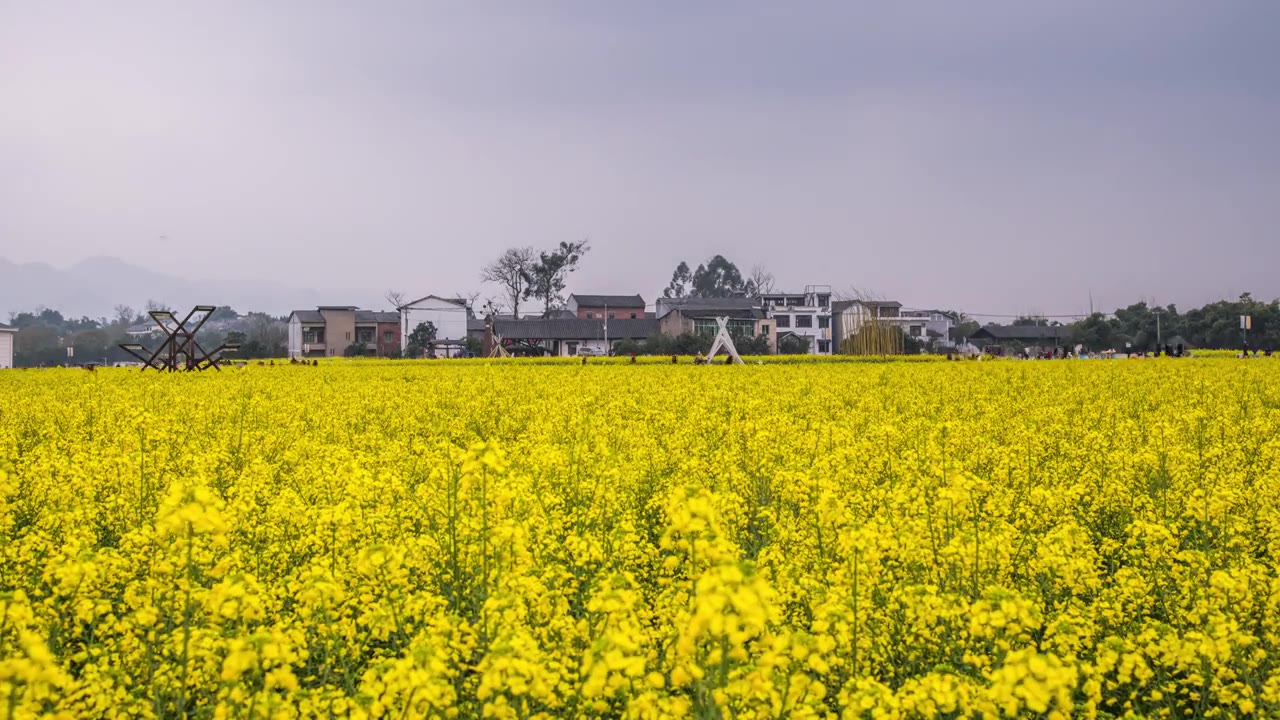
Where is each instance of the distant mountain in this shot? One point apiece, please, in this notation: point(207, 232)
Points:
point(94, 286)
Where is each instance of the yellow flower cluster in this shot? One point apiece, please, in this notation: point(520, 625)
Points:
point(521, 540)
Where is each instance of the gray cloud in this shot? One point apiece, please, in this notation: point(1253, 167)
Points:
point(996, 156)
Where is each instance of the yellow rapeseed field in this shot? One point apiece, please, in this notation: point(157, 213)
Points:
point(509, 540)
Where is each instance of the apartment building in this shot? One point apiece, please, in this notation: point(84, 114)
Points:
point(804, 314)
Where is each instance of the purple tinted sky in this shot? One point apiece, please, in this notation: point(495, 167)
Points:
point(991, 156)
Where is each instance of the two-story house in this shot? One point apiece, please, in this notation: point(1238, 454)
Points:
point(928, 325)
point(699, 316)
point(606, 307)
point(805, 314)
point(329, 330)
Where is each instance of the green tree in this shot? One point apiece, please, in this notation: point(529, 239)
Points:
point(512, 271)
point(548, 276)
point(90, 346)
point(471, 346)
point(681, 279)
point(718, 278)
point(420, 339)
point(793, 345)
point(37, 345)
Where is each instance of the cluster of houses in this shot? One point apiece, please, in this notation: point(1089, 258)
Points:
point(595, 324)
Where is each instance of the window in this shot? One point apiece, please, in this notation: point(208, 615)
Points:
point(364, 335)
point(915, 331)
point(737, 327)
point(804, 321)
point(388, 336)
point(573, 347)
point(313, 336)
point(633, 316)
point(764, 329)
point(611, 316)
point(824, 346)
point(782, 321)
point(591, 316)
point(348, 335)
point(824, 321)
point(824, 300)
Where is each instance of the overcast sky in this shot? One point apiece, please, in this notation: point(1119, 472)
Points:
point(1005, 156)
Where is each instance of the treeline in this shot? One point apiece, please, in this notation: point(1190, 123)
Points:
point(1214, 326)
point(44, 336)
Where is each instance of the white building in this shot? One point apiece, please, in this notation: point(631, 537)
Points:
point(448, 315)
point(7, 336)
point(806, 314)
point(926, 325)
point(920, 325)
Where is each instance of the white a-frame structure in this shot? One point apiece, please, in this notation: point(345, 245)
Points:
point(724, 342)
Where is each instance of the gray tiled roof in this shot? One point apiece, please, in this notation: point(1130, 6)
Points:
point(1022, 332)
point(735, 307)
point(7, 328)
point(613, 301)
point(568, 329)
point(315, 317)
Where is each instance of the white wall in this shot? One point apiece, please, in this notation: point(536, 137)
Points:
point(295, 337)
point(6, 349)
point(449, 319)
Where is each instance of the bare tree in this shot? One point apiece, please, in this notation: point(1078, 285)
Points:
point(472, 298)
point(124, 315)
point(856, 293)
point(511, 270)
point(396, 298)
point(761, 281)
point(157, 306)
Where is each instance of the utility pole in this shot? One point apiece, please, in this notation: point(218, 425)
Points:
point(606, 329)
point(1158, 312)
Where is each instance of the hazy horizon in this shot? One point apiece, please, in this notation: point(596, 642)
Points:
point(995, 157)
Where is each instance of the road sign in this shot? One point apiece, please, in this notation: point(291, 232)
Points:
point(1246, 322)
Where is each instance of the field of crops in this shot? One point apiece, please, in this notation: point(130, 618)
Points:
point(509, 540)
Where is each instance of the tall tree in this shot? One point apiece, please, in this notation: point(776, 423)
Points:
point(718, 278)
point(681, 279)
point(124, 315)
point(223, 312)
point(268, 334)
point(760, 282)
point(396, 298)
point(420, 339)
point(547, 278)
point(511, 270)
point(90, 345)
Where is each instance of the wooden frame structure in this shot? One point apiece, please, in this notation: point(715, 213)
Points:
point(180, 350)
point(724, 341)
